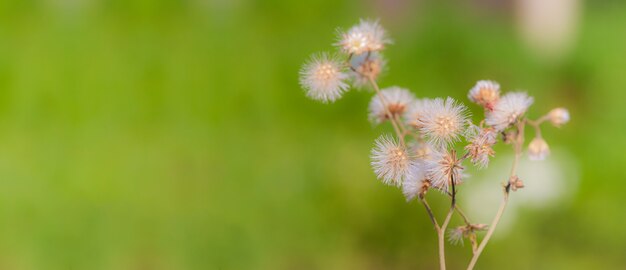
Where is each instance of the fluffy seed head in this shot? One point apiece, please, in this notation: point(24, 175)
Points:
point(485, 93)
point(558, 116)
point(538, 149)
point(367, 36)
point(508, 109)
point(480, 147)
point(394, 99)
point(415, 183)
point(323, 79)
point(366, 65)
point(390, 161)
point(443, 121)
point(442, 168)
point(415, 112)
point(420, 151)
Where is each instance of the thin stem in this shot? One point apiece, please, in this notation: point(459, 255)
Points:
point(462, 214)
point(442, 231)
point(538, 121)
point(492, 228)
point(402, 128)
point(442, 240)
point(430, 213)
point(460, 211)
point(519, 141)
point(536, 125)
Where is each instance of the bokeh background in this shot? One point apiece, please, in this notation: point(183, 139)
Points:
point(146, 134)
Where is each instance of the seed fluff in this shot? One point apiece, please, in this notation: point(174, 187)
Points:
point(323, 79)
point(415, 181)
point(390, 161)
point(444, 121)
point(480, 147)
point(367, 36)
point(396, 100)
point(485, 93)
point(511, 107)
point(366, 65)
point(415, 113)
point(443, 168)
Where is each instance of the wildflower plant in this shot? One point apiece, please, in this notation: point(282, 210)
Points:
point(422, 154)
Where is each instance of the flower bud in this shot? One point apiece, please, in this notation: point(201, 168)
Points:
point(538, 149)
point(515, 183)
point(558, 116)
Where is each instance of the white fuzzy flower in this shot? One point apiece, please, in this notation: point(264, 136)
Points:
point(444, 121)
point(415, 112)
point(538, 149)
point(510, 108)
point(414, 183)
point(558, 116)
point(323, 78)
point(366, 65)
point(394, 99)
point(442, 168)
point(390, 161)
point(485, 93)
point(367, 36)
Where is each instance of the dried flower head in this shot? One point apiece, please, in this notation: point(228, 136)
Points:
point(367, 36)
point(390, 161)
point(323, 78)
point(456, 235)
point(538, 149)
point(443, 168)
point(416, 111)
point(515, 183)
point(394, 99)
point(558, 116)
point(481, 146)
point(485, 94)
point(366, 66)
point(444, 121)
point(415, 183)
point(508, 109)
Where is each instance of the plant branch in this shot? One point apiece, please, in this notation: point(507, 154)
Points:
point(517, 146)
point(430, 213)
point(442, 231)
point(462, 214)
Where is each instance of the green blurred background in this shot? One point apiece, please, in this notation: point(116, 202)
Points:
point(173, 134)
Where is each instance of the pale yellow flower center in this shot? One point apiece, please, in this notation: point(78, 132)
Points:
point(487, 95)
point(445, 125)
point(326, 72)
point(357, 41)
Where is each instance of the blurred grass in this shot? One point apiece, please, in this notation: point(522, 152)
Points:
point(174, 135)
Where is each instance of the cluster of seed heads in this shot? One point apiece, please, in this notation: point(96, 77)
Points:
point(422, 154)
point(434, 124)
